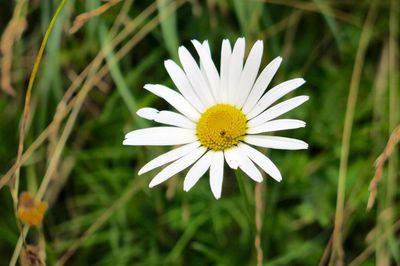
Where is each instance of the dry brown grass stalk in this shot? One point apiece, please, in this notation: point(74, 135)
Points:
point(81, 19)
point(11, 34)
point(380, 163)
point(337, 255)
point(290, 35)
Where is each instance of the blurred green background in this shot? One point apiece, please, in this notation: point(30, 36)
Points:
point(90, 84)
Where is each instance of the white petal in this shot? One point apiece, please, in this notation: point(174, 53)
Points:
point(226, 52)
point(147, 113)
point(246, 165)
point(249, 73)
point(217, 173)
point(277, 125)
point(231, 159)
point(277, 110)
point(177, 166)
point(211, 72)
point(166, 117)
point(261, 84)
point(175, 99)
point(195, 77)
point(275, 94)
point(235, 69)
point(273, 142)
point(160, 136)
point(197, 171)
point(262, 161)
point(169, 157)
point(182, 83)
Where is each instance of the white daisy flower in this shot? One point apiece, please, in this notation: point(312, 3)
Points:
point(220, 116)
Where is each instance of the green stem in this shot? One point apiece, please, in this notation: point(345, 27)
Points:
point(245, 196)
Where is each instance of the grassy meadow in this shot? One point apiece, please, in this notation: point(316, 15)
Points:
point(75, 111)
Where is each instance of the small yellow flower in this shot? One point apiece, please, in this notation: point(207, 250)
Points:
point(31, 210)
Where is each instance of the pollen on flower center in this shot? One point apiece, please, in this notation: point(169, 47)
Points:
point(221, 127)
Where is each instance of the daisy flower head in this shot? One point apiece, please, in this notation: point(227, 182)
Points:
point(220, 116)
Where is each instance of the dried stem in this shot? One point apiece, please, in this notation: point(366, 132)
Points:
point(337, 256)
point(12, 33)
point(83, 18)
point(380, 163)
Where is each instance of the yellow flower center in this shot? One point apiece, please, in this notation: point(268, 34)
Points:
point(221, 127)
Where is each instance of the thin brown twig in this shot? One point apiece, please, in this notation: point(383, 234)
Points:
point(279, 26)
point(81, 19)
point(380, 163)
point(326, 254)
point(291, 30)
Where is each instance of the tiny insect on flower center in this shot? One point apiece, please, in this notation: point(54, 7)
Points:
point(221, 127)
